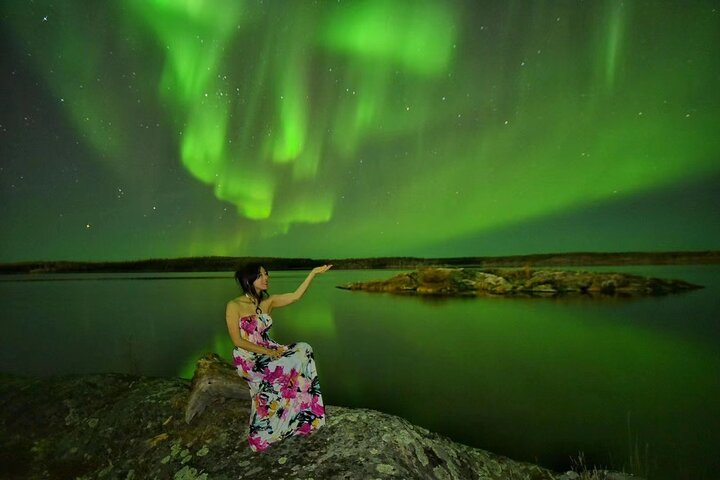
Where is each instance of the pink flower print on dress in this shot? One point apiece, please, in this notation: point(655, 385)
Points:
point(257, 443)
point(304, 429)
point(305, 400)
point(317, 407)
point(261, 406)
point(273, 376)
point(289, 382)
point(246, 365)
point(249, 324)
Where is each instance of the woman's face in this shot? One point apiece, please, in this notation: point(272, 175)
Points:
point(261, 282)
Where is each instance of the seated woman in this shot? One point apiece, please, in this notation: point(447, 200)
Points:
point(284, 387)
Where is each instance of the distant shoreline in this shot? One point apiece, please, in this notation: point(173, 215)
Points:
point(226, 264)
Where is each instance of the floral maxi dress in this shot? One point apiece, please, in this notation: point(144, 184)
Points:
point(285, 391)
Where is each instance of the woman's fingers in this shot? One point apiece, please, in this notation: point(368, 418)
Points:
point(278, 351)
point(322, 269)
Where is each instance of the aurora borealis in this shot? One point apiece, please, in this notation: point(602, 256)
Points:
point(170, 128)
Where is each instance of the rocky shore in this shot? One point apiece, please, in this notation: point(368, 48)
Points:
point(466, 282)
point(112, 426)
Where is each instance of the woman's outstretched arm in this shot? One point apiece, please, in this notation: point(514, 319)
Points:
point(277, 301)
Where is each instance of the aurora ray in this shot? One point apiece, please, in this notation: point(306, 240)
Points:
point(384, 127)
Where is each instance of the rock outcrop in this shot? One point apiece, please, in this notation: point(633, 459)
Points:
point(520, 282)
point(127, 427)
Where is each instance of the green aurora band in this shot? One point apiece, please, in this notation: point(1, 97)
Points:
point(388, 126)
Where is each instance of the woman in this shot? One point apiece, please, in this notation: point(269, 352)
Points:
point(283, 382)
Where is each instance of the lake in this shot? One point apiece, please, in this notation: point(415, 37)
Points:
point(622, 381)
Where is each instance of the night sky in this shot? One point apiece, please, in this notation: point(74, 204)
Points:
point(170, 128)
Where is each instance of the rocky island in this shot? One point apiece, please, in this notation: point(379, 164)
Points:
point(467, 282)
point(116, 426)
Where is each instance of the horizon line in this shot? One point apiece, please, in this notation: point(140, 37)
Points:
point(412, 257)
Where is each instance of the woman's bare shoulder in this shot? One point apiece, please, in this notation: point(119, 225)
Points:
point(234, 303)
point(239, 305)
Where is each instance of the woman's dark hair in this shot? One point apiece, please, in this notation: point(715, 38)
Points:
point(245, 276)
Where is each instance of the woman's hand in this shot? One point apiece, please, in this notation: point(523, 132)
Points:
point(323, 269)
point(276, 352)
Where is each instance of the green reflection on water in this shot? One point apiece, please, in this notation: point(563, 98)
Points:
point(535, 380)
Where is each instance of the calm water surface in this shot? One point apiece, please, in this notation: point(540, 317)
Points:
point(534, 379)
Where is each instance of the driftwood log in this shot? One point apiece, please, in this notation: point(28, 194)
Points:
point(214, 379)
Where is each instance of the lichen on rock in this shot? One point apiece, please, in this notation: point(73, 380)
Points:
point(38, 443)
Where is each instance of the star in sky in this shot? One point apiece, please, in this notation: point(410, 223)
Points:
point(360, 118)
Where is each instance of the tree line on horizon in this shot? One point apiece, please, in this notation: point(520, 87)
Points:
point(217, 264)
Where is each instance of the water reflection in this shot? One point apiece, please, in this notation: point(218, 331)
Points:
point(534, 379)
